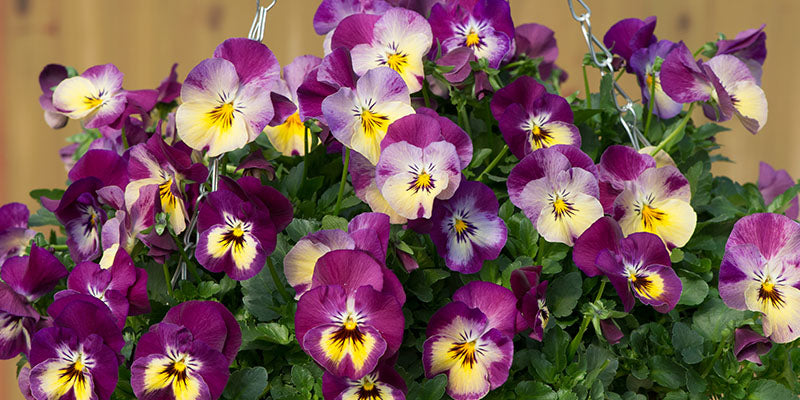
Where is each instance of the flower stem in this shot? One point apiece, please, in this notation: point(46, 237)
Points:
point(650, 106)
point(573, 345)
point(716, 356)
point(342, 182)
point(675, 132)
point(58, 247)
point(167, 280)
point(305, 153)
point(586, 88)
point(278, 283)
point(462, 114)
point(124, 138)
point(425, 95)
point(494, 162)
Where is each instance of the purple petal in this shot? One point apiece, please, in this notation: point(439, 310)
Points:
point(458, 58)
point(497, 303)
point(604, 234)
point(611, 331)
point(453, 134)
point(534, 40)
point(776, 236)
point(773, 183)
point(524, 91)
point(629, 35)
point(537, 165)
point(608, 263)
point(300, 261)
point(211, 323)
point(741, 265)
point(354, 30)
point(682, 79)
point(349, 269)
point(71, 311)
point(254, 62)
point(35, 275)
point(105, 165)
point(330, 13)
point(749, 345)
point(51, 76)
point(523, 279)
point(416, 129)
point(170, 88)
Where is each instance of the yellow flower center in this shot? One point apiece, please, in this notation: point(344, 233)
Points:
point(472, 39)
point(368, 385)
point(460, 226)
point(238, 232)
point(92, 102)
point(350, 324)
point(650, 216)
point(373, 123)
point(423, 181)
point(562, 208)
point(294, 119)
point(222, 115)
point(397, 61)
point(650, 79)
point(179, 366)
point(465, 352)
point(540, 138)
point(768, 292)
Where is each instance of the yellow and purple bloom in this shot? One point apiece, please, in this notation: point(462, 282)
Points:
point(759, 272)
point(532, 119)
point(461, 344)
point(398, 39)
point(210, 322)
point(643, 62)
point(749, 345)
point(483, 26)
point(95, 95)
point(637, 265)
point(771, 184)
point(226, 101)
point(466, 229)
point(723, 83)
point(531, 300)
point(14, 232)
point(238, 227)
point(557, 190)
point(287, 131)
point(82, 216)
point(382, 384)
point(627, 36)
point(619, 164)
point(360, 118)
point(749, 46)
point(419, 162)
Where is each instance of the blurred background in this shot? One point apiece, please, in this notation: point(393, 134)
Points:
point(145, 37)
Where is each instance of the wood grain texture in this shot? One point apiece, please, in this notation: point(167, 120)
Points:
point(144, 37)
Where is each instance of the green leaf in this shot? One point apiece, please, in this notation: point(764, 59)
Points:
point(206, 289)
point(479, 156)
point(666, 372)
point(246, 384)
point(301, 227)
point(432, 389)
point(688, 342)
point(52, 194)
point(260, 293)
point(302, 379)
point(764, 389)
point(694, 291)
point(334, 222)
point(607, 93)
point(714, 320)
point(781, 203)
point(43, 217)
point(534, 391)
point(563, 294)
point(275, 333)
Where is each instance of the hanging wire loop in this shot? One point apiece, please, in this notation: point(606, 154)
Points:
point(260, 21)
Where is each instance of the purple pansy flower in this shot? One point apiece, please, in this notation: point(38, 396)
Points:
point(106, 165)
point(535, 41)
point(531, 119)
point(637, 265)
point(759, 272)
point(398, 39)
point(419, 161)
point(331, 12)
point(95, 95)
point(629, 35)
point(531, 301)
point(382, 384)
point(226, 102)
point(129, 221)
point(238, 227)
point(466, 229)
point(210, 322)
point(286, 131)
point(483, 26)
point(749, 345)
point(749, 46)
point(461, 345)
point(494, 301)
point(557, 190)
point(773, 183)
point(334, 72)
point(82, 216)
point(643, 63)
point(723, 82)
point(360, 118)
point(14, 232)
point(49, 78)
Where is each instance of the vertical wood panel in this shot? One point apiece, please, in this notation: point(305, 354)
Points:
point(143, 38)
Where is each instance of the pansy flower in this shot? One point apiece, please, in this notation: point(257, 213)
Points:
point(759, 272)
point(14, 232)
point(95, 95)
point(49, 78)
point(619, 164)
point(537, 41)
point(156, 164)
point(331, 12)
point(77, 357)
point(749, 46)
point(286, 131)
point(495, 301)
point(531, 119)
point(398, 39)
point(531, 300)
point(627, 36)
point(557, 190)
point(210, 322)
point(466, 229)
point(749, 345)
point(238, 227)
point(130, 220)
point(643, 63)
point(360, 118)
point(771, 184)
point(362, 175)
point(483, 26)
point(346, 323)
point(382, 384)
point(226, 102)
point(724, 83)
point(82, 216)
point(334, 72)
point(417, 165)
point(461, 345)
point(637, 265)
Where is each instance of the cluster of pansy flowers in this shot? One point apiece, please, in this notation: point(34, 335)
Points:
point(143, 181)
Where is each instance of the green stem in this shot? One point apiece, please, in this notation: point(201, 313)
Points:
point(573, 345)
point(513, 64)
point(650, 106)
point(494, 162)
point(496, 85)
point(305, 153)
point(586, 88)
point(58, 247)
point(675, 132)
point(425, 95)
point(342, 182)
point(167, 280)
point(278, 283)
point(619, 75)
point(600, 291)
point(462, 114)
point(697, 53)
point(124, 138)
point(716, 356)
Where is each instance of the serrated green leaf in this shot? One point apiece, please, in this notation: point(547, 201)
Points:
point(246, 384)
point(563, 294)
point(334, 222)
point(302, 379)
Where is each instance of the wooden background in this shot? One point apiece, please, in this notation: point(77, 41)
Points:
point(144, 37)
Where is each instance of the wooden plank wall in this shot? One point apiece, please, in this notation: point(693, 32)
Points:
point(144, 37)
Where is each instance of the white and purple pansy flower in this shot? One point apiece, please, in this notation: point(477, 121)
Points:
point(331, 12)
point(362, 175)
point(531, 300)
point(360, 118)
point(226, 101)
point(723, 83)
point(418, 164)
point(461, 345)
point(95, 95)
point(14, 232)
point(760, 272)
point(334, 72)
point(483, 26)
point(532, 119)
point(627, 36)
point(398, 39)
point(637, 265)
point(287, 132)
point(81, 214)
point(619, 164)
point(645, 66)
point(382, 384)
point(557, 190)
point(466, 229)
point(750, 46)
point(771, 184)
point(49, 78)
